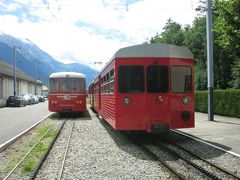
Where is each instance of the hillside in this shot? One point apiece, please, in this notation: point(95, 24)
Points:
point(30, 53)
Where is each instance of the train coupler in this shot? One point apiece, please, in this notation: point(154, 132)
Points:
point(160, 129)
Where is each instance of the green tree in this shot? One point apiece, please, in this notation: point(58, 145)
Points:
point(172, 34)
point(191, 37)
point(195, 40)
point(236, 74)
point(226, 43)
point(227, 37)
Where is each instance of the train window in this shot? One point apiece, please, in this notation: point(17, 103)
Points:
point(53, 85)
point(131, 79)
point(71, 85)
point(102, 85)
point(181, 79)
point(111, 90)
point(104, 78)
point(96, 88)
point(78, 85)
point(112, 73)
point(157, 79)
point(111, 82)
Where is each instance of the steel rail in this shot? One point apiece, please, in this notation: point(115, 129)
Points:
point(66, 151)
point(10, 173)
point(34, 174)
point(156, 158)
point(196, 166)
point(204, 160)
point(204, 142)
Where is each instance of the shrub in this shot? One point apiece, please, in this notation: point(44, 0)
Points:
point(225, 102)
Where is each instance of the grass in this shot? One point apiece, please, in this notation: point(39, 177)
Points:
point(87, 100)
point(32, 160)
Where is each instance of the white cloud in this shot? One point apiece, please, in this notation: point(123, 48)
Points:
point(102, 28)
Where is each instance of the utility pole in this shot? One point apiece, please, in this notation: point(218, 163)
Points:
point(95, 63)
point(210, 61)
point(14, 69)
point(36, 77)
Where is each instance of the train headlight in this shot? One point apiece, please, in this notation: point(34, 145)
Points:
point(54, 102)
point(126, 100)
point(79, 102)
point(186, 115)
point(186, 100)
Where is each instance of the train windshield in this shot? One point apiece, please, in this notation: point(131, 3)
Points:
point(181, 79)
point(67, 85)
point(131, 79)
point(157, 79)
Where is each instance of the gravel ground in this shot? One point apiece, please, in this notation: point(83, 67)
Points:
point(98, 152)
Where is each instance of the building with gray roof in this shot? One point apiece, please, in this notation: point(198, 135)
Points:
point(24, 83)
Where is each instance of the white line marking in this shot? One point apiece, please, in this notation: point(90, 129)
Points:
point(202, 141)
point(12, 140)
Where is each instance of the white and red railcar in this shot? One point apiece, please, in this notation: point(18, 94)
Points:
point(146, 87)
point(67, 92)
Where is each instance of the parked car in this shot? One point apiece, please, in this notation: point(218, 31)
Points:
point(41, 98)
point(28, 98)
point(25, 99)
point(35, 99)
point(15, 101)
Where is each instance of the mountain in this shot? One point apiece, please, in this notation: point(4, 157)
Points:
point(27, 54)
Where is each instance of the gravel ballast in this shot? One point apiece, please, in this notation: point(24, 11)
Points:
point(98, 152)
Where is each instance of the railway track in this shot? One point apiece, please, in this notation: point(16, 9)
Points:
point(11, 173)
point(182, 163)
point(61, 171)
point(215, 168)
point(66, 151)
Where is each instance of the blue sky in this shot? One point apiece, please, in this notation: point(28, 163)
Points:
point(89, 31)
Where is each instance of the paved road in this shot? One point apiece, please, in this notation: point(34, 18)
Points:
point(14, 120)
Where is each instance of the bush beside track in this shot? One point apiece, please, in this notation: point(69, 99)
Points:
point(225, 102)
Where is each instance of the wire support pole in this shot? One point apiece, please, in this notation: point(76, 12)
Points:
point(210, 61)
point(14, 69)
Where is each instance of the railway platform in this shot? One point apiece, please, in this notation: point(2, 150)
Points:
point(223, 132)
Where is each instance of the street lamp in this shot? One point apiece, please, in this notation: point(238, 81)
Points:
point(14, 68)
point(36, 77)
point(95, 63)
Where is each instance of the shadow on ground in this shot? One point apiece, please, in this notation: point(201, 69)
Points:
point(121, 138)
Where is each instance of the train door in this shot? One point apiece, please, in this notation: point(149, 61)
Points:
point(130, 97)
point(182, 94)
point(157, 99)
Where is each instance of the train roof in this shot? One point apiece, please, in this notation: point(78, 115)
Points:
point(67, 74)
point(154, 50)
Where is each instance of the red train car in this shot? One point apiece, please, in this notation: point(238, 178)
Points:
point(67, 92)
point(90, 94)
point(147, 87)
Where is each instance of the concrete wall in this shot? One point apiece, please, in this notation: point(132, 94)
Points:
point(7, 89)
point(22, 87)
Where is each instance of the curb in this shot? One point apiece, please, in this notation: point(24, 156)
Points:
point(203, 141)
point(5, 145)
